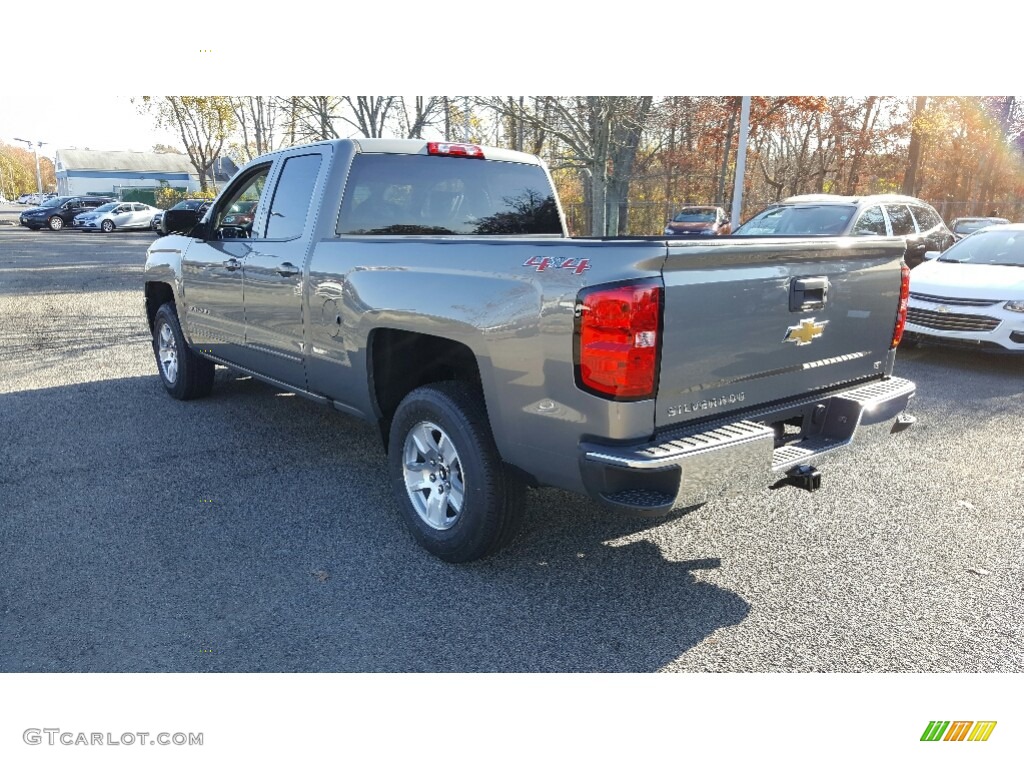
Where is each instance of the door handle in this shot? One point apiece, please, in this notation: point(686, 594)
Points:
point(807, 293)
point(232, 264)
point(287, 270)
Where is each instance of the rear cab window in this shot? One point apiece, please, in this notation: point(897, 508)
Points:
point(393, 194)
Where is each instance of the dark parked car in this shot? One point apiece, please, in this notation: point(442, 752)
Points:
point(183, 216)
point(699, 220)
point(865, 215)
point(59, 212)
point(241, 214)
point(967, 225)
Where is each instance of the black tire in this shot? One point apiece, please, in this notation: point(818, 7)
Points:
point(56, 223)
point(492, 496)
point(192, 375)
point(107, 226)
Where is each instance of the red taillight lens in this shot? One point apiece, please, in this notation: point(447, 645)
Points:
point(454, 150)
point(901, 316)
point(618, 338)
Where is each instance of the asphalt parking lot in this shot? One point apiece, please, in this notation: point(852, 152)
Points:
point(255, 531)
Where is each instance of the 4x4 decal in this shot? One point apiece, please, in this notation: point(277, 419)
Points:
point(541, 263)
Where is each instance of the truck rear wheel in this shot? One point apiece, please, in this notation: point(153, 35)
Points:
point(184, 374)
point(456, 496)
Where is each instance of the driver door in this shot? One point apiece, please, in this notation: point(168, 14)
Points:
point(212, 274)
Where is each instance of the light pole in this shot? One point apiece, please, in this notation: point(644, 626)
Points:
point(39, 176)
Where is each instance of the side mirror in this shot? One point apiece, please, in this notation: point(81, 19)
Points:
point(929, 255)
point(199, 231)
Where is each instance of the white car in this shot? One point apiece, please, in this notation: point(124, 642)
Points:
point(113, 216)
point(973, 293)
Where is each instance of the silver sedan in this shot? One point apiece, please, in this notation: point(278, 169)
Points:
point(113, 216)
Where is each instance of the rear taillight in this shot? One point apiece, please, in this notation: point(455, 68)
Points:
point(901, 315)
point(454, 150)
point(618, 340)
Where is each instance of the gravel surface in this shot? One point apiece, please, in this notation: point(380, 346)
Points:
point(256, 531)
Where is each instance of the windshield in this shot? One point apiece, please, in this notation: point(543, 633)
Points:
point(695, 216)
point(1004, 247)
point(800, 220)
point(188, 205)
point(966, 226)
point(106, 207)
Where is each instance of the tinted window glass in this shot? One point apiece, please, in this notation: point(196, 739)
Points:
point(899, 217)
point(427, 195)
point(870, 222)
point(800, 220)
point(926, 218)
point(292, 197)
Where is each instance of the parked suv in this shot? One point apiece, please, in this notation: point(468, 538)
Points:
point(60, 211)
point(896, 215)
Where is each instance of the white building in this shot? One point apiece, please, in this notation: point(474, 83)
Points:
point(84, 171)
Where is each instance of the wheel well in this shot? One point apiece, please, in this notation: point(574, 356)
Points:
point(401, 361)
point(157, 294)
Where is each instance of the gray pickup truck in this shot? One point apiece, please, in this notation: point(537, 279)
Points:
point(431, 289)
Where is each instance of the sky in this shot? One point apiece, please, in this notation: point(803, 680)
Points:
point(784, 48)
point(41, 118)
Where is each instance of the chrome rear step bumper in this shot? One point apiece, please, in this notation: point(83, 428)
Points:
point(688, 466)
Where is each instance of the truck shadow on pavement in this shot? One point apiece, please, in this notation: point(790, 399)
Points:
point(254, 531)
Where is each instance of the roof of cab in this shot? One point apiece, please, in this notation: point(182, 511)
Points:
point(414, 147)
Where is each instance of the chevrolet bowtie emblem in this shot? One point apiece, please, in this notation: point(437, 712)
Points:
point(806, 332)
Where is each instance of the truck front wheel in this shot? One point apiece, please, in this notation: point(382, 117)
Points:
point(456, 496)
point(184, 374)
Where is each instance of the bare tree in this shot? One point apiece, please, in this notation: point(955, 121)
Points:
point(426, 111)
point(914, 152)
point(311, 118)
point(257, 118)
point(370, 113)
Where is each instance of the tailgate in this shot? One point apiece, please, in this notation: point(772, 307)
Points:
point(753, 321)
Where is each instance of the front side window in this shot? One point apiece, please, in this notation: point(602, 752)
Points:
point(389, 194)
point(901, 220)
point(249, 189)
point(871, 222)
point(292, 197)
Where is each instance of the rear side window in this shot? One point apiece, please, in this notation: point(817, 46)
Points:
point(927, 219)
point(391, 194)
point(902, 223)
point(293, 196)
point(871, 222)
